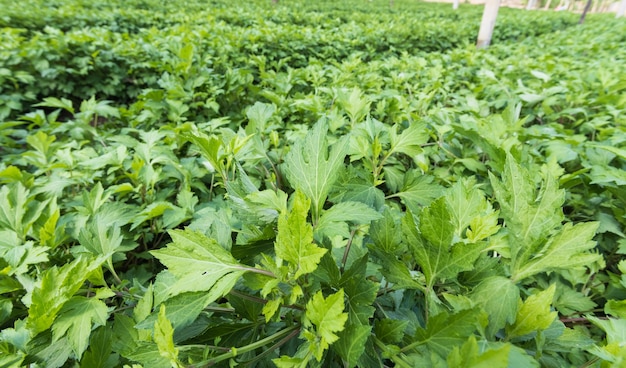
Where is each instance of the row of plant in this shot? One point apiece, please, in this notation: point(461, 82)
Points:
point(111, 63)
point(453, 208)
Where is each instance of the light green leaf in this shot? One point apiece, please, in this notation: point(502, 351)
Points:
point(436, 225)
point(12, 360)
point(57, 286)
point(164, 338)
point(294, 242)
point(18, 209)
point(199, 264)
point(469, 356)
point(410, 140)
point(567, 249)
point(616, 308)
point(483, 226)
point(258, 116)
point(334, 221)
point(312, 169)
point(533, 314)
point(155, 209)
point(181, 309)
point(614, 328)
point(20, 257)
point(144, 305)
point(148, 354)
point(418, 191)
point(63, 103)
point(101, 239)
point(432, 246)
point(498, 296)
point(76, 320)
point(328, 317)
point(530, 216)
point(355, 104)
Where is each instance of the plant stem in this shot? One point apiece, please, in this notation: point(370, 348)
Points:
point(395, 358)
point(250, 347)
point(269, 350)
point(256, 299)
point(347, 250)
point(247, 297)
point(258, 270)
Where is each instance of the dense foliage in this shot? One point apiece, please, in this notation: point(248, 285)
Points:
point(201, 183)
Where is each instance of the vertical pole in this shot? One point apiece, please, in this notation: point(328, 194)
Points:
point(622, 9)
point(488, 23)
point(455, 4)
point(547, 5)
point(530, 5)
point(584, 14)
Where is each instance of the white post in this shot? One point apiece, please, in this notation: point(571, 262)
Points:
point(547, 5)
point(488, 23)
point(455, 4)
point(622, 9)
point(530, 5)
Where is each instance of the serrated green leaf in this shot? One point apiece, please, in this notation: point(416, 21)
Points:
point(616, 308)
point(431, 243)
point(396, 272)
point(62, 103)
point(294, 242)
point(360, 292)
point(533, 314)
point(390, 331)
point(290, 362)
point(101, 239)
point(164, 338)
point(18, 209)
point(444, 331)
point(76, 319)
point(55, 354)
point(148, 354)
point(57, 286)
point(614, 328)
point(12, 360)
point(351, 343)
point(155, 209)
point(144, 305)
point(410, 140)
point(498, 296)
point(181, 309)
point(328, 317)
point(355, 104)
point(386, 234)
point(418, 191)
point(199, 264)
point(258, 116)
point(436, 224)
point(567, 249)
point(125, 335)
point(99, 354)
point(20, 257)
point(312, 168)
point(469, 356)
point(334, 221)
point(530, 216)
